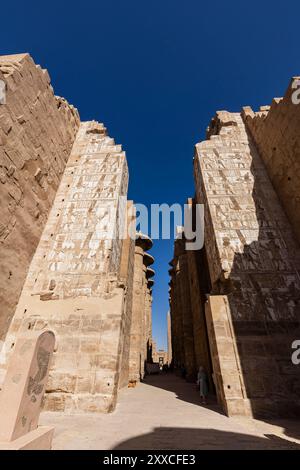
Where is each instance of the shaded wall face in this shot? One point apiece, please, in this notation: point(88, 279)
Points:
point(37, 131)
point(189, 286)
point(199, 288)
point(187, 317)
point(176, 308)
point(73, 285)
point(275, 130)
point(169, 337)
point(148, 325)
point(254, 261)
point(126, 275)
point(138, 308)
point(176, 338)
point(181, 312)
point(141, 324)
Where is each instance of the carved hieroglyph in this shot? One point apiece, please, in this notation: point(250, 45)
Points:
point(79, 269)
point(73, 283)
point(248, 281)
point(37, 131)
point(81, 244)
point(24, 385)
point(253, 258)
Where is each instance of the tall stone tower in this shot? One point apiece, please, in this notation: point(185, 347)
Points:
point(37, 131)
point(78, 273)
point(244, 284)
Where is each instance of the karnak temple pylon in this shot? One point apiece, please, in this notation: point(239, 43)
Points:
point(74, 265)
point(71, 261)
point(235, 304)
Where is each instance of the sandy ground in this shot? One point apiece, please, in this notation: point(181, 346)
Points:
point(164, 412)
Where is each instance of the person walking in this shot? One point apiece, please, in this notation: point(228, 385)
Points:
point(202, 382)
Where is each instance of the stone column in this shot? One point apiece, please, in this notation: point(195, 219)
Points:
point(187, 319)
point(126, 275)
point(228, 376)
point(169, 338)
point(137, 355)
point(73, 285)
point(142, 345)
point(150, 340)
point(175, 309)
point(199, 287)
point(181, 313)
point(148, 307)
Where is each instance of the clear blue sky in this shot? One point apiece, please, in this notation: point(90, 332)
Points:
point(155, 73)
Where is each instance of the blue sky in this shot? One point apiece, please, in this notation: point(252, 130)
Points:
point(155, 73)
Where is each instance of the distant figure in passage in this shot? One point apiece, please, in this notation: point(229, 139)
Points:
point(202, 382)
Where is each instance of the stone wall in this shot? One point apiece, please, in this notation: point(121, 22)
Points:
point(67, 262)
point(244, 283)
point(176, 311)
point(169, 339)
point(188, 288)
point(275, 131)
point(254, 261)
point(126, 276)
point(148, 340)
point(141, 308)
point(185, 326)
point(37, 131)
point(73, 285)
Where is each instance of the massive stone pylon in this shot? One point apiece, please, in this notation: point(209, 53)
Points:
point(77, 275)
point(246, 287)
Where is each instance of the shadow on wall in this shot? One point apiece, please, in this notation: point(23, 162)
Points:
point(193, 438)
point(264, 296)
